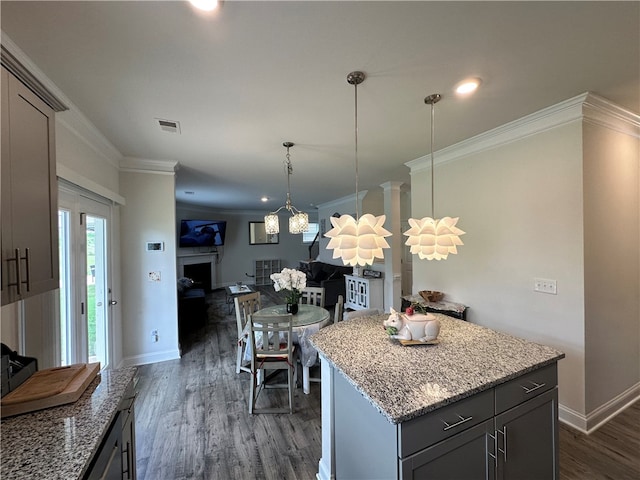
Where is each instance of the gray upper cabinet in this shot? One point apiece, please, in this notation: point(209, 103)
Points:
point(29, 193)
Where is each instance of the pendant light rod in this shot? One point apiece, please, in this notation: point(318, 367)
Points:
point(355, 79)
point(432, 100)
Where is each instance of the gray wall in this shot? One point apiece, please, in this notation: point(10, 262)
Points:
point(236, 258)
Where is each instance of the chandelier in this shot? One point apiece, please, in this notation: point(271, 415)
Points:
point(359, 240)
point(431, 238)
point(298, 221)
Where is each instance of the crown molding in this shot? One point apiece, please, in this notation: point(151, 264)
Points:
point(340, 201)
point(72, 119)
point(586, 107)
point(142, 165)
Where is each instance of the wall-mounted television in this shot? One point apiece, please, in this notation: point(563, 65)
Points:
point(202, 233)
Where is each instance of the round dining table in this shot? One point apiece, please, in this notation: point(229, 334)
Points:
point(306, 322)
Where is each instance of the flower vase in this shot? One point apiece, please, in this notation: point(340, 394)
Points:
point(292, 308)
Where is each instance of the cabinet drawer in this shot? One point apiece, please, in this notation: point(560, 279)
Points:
point(419, 433)
point(521, 389)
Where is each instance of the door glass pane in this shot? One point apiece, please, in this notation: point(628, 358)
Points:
point(96, 275)
point(64, 236)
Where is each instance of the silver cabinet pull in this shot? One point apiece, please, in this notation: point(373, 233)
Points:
point(462, 420)
point(18, 282)
point(113, 302)
point(503, 432)
point(495, 440)
point(536, 386)
point(27, 262)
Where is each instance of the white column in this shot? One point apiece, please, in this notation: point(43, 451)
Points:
point(393, 256)
point(327, 464)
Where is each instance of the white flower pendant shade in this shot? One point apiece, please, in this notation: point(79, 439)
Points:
point(358, 242)
point(433, 239)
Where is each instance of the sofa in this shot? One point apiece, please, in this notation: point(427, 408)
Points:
point(328, 276)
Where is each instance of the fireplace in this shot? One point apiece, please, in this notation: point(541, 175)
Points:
point(200, 268)
point(200, 273)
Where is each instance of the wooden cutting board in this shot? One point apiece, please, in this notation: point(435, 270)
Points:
point(49, 388)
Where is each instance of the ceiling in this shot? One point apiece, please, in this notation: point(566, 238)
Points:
point(252, 75)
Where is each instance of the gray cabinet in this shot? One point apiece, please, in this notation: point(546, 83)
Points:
point(466, 455)
point(128, 450)
point(116, 457)
point(506, 432)
point(29, 193)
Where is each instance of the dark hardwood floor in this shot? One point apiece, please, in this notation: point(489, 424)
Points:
point(193, 422)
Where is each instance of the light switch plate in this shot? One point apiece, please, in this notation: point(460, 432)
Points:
point(545, 285)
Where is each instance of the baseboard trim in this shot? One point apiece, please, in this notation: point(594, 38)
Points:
point(590, 423)
point(149, 358)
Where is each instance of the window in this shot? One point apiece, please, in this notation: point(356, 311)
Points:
point(310, 235)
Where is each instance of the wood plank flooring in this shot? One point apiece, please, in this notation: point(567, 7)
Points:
point(192, 422)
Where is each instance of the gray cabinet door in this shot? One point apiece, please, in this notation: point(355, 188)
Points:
point(29, 193)
point(465, 456)
point(527, 440)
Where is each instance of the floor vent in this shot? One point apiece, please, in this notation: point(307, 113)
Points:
point(170, 126)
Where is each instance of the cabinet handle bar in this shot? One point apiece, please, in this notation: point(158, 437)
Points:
point(462, 420)
point(535, 387)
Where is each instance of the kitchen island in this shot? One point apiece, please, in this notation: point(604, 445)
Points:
point(83, 439)
point(480, 404)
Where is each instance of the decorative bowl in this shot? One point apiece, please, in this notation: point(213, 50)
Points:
point(431, 295)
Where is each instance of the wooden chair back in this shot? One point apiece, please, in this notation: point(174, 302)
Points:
point(313, 296)
point(339, 310)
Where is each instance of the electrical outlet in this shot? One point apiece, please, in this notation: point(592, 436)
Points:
point(154, 276)
point(545, 285)
point(154, 336)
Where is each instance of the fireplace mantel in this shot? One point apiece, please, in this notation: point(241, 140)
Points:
point(197, 258)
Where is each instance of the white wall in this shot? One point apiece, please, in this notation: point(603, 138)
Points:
point(528, 214)
point(612, 285)
point(236, 258)
point(149, 216)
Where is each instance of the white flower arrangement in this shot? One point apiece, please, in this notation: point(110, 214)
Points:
point(291, 280)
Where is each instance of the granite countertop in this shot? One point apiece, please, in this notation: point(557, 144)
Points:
point(59, 442)
point(405, 382)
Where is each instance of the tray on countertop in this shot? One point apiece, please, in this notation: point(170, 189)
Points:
point(49, 388)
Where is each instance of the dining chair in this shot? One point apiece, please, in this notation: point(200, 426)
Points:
point(312, 296)
point(245, 306)
point(272, 348)
point(338, 310)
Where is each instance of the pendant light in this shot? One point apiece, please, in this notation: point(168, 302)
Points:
point(360, 240)
point(431, 238)
point(299, 221)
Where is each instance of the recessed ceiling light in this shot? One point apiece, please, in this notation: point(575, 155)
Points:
point(206, 5)
point(264, 199)
point(468, 86)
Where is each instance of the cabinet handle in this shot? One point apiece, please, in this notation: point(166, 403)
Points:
point(126, 451)
point(18, 282)
point(460, 422)
point(495, 440)
point(503, 432)
point(536, 386)
point(27, 262)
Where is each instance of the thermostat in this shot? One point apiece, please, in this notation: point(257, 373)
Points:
point(155, 246)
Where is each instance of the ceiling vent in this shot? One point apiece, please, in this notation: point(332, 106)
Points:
point(170, 126)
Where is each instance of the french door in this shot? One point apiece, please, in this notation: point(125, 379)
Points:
point(85, 327)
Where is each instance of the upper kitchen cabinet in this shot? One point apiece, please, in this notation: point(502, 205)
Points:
point(29, 193)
